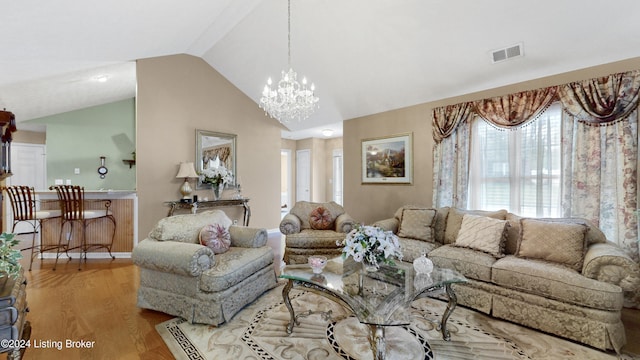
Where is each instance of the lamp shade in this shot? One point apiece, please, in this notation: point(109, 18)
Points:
point(186, 170)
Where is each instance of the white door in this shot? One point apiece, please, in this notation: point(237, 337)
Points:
point(337, 176)
point(28, 165)
point(303, 175)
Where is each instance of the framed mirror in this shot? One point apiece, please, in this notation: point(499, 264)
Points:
point(212, 149)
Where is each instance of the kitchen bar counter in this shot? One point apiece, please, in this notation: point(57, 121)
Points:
point(124, 205)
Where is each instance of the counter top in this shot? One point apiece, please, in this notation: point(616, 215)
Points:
point(93, 194)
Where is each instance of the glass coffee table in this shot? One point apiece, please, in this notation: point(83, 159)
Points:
point(378, 299)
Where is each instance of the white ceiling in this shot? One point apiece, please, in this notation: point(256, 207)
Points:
point(364, 56)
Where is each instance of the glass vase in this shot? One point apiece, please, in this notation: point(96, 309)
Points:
point(369, 266)
point(217, 191)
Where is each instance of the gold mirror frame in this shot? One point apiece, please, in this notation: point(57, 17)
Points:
point(209, 145)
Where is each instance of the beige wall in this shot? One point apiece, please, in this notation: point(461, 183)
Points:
point(368, 203)
point(178, 94)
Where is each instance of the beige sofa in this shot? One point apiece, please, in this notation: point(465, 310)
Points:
point(303, 238)
point(180, 277)
point(562, 289)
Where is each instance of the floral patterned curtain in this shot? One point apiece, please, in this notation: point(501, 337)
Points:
point(446, 119)
point(451, 155)
point(451, 168)
point(602, 100)
point(600, 181)
point(515, 109)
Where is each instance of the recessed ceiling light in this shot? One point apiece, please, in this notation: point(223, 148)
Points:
point(101, 78)
point(327, 132)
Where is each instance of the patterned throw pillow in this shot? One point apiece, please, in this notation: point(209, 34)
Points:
point(562, 243)
point(482, 233)
point(321, 219)
point(216, 237)
point(417, 224)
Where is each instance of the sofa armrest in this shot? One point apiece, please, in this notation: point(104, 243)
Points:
point(609, 263)
point(344, 223)
point(290, 224)
point(391, 224)
point(173, 257)
point(247, 237)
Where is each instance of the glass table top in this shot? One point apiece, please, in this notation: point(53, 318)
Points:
point(382, 297)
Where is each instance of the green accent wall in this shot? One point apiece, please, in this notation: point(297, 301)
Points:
point(77, 139)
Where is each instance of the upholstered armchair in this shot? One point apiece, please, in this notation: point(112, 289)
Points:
point(313, 229)
point(203, 284)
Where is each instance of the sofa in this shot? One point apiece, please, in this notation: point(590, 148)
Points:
point(560, 276)
point(313, 228)
point(182, 277)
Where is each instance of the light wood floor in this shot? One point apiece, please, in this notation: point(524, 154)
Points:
point(98, 304)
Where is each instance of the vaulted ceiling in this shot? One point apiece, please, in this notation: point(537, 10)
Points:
point(364, 56)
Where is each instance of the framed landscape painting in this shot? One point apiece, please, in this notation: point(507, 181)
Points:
point(387, 160)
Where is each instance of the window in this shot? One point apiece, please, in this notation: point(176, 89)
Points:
point(518, 170)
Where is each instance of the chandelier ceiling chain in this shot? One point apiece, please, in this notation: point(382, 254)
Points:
point(290, 100)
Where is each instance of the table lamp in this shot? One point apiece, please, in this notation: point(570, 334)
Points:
point(186, 171)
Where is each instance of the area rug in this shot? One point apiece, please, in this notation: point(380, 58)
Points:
point(329, 332)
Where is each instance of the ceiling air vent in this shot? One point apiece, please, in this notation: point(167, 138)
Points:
point(507, 53)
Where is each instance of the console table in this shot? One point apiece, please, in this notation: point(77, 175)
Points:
point(199, 205)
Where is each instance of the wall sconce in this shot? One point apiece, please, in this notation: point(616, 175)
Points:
point(186, 171)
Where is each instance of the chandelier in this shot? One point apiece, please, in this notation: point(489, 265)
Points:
point(291, 100)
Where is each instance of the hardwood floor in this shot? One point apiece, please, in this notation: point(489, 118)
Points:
point(98, 305)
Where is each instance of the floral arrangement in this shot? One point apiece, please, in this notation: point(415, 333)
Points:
point(9, 257)
point(216, 175)
point(371, 245)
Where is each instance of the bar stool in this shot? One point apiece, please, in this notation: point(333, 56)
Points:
point(24, 206)
point(72, 204)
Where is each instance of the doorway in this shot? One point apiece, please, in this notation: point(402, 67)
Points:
point(285, 181)
point(303, 175)
point(29, 168)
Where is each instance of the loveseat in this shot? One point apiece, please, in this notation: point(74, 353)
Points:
point(181, 277)
point(312, 228)
point(560, 276)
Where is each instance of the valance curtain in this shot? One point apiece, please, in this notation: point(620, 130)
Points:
point(600, 162)
point(515, 109)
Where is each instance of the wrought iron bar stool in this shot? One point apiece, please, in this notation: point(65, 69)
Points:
point(25, 209)
point(72, 204)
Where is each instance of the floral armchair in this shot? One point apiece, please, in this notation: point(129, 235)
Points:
point(202, 284)
point(313, 228)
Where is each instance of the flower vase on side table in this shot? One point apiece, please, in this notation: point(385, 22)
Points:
point(217, 191)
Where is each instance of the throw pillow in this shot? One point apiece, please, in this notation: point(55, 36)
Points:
point(321, 219)
point(562, 243)
point(482, 233)
point(454, 221)
point(417, 224)
point(216, 237)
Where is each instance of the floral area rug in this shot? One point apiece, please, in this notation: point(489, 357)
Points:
point(330, 332)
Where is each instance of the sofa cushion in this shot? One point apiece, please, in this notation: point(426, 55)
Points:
point(555, 281)
point(215, 237)
point(482, 233)
point(186, 228)
point(558, 242)
point(321, 219)
point(314, 239)
point(417, 224)
point(412, 248)
point(234, 266)
point(454, 221)
point(470, 263)
point(593, 236)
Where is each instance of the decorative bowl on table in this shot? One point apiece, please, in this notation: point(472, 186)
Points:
point(317, 263)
